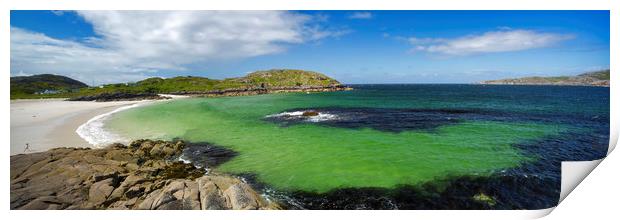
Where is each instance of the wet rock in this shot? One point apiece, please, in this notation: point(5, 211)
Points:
point(310, 113)
point(206, 155)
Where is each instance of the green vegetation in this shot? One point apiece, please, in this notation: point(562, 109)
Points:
point(544, 79)
point(44, 85)
point(288, 78)
point(279, 78)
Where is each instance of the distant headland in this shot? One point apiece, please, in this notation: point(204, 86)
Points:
point(598, 78)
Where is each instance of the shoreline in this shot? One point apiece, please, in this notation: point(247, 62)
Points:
point(93, 132)
point(42, 124)
point(331, 200)
point(39, 125)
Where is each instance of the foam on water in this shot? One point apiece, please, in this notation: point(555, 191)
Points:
point(296, 115)
point(391, 146)
point(93, 130)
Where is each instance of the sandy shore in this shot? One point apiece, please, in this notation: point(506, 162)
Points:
point(48, 123)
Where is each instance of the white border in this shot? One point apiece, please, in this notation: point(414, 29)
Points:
point(590, 207)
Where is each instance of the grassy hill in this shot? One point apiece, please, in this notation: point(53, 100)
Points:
point(43, 85)
point(598, 78)
point(288, 78)
point(270, 79)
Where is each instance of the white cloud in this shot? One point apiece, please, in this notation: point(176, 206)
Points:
point(318, 32)
point(503, 40)
point(361, 15)
point(132, 43)
point(33, 53)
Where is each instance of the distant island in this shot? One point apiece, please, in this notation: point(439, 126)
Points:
point(598, 78)
point(259, 82)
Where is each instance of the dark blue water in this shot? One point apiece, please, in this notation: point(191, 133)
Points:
point(396, 108)
point(534, 185)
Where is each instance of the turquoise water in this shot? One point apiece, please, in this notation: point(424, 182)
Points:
point(319, 156)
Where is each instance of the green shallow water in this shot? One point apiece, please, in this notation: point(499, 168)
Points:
point(319, 158)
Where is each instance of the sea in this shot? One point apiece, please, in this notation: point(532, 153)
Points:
point(409, 146)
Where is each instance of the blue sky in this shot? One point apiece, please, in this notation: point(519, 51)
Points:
point(352, 46)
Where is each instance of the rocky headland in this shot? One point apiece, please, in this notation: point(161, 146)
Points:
point(142, 175)
point(599, 78)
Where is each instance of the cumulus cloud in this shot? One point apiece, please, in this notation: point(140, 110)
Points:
point(503, 40)
point(130, 44)
point(361, 15)
point(33, 53)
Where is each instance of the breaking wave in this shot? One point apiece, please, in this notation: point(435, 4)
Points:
point(94, 133)
point(299, 116)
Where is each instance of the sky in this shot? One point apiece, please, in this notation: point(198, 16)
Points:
point(99, 47)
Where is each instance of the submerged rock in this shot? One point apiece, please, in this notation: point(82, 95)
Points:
point(310, 113)
point(485, 199)
point(142, 175)
point(206, 155)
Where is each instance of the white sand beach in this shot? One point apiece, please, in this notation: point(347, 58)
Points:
point(48, 123)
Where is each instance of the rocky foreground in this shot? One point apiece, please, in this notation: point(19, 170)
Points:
point(143, 175)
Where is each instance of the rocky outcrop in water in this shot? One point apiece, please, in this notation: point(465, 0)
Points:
point(142, 175)
point(310, 113)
